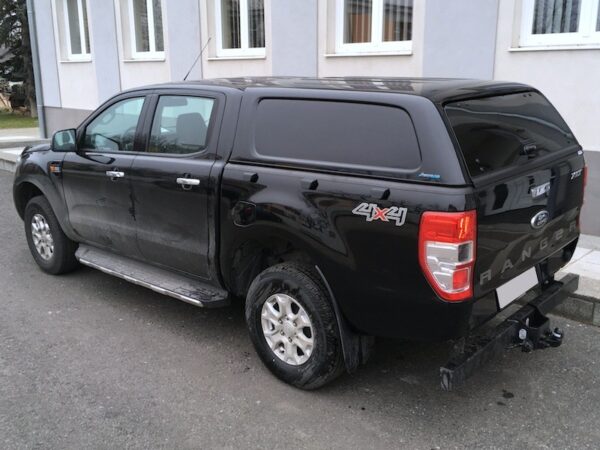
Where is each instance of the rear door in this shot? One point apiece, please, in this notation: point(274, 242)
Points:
point(96, 180)
point(171, 183)
point(527, 168)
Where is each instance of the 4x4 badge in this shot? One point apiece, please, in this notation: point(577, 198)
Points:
point(373, 212)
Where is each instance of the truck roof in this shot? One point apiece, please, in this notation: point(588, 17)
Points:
point(439, 90)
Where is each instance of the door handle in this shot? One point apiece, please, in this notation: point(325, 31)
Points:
point(188, 181)
point(115, 174)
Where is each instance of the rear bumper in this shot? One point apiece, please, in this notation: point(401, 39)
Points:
point(528, 328)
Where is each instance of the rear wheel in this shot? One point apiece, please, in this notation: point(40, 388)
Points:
point(52, 250)
point(293, 326)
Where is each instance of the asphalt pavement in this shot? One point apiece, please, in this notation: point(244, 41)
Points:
point(91, 361)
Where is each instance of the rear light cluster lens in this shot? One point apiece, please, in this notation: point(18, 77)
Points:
point(447, 252)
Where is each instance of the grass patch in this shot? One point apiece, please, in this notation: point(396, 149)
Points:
point(11, 120)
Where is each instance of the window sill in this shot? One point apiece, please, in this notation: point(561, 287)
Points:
point(233, 57)
point(71, 61)
point(545, 48)
point(144, 60)
point(355, 54)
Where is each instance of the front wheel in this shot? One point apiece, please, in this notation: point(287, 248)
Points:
point(293, 326)
point(52, 250)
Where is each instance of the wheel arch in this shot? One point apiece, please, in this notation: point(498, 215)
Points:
point(24, 192)
point(252, 256)
point(29, 187)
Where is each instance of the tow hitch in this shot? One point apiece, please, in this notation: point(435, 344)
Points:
point(528, 328)
point(538, 336)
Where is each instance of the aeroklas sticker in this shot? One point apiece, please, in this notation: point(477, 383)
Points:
point(373, 212)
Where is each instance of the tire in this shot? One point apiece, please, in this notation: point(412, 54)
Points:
point(62, 257)
point(323, 360)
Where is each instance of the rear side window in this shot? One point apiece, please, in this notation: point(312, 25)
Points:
point(180, 124)
point(332, 133)
point(508, 130)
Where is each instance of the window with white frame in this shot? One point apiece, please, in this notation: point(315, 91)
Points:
point(374, 26)
point(560, 22)
point(146, 29)
point(240, 27)
point(76, 29)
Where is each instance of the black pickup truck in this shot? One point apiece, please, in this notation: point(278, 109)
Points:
point(337, 209)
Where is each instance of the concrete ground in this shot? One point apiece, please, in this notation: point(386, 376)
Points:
point(13, 140)
point(8, 134)
point(91, 361)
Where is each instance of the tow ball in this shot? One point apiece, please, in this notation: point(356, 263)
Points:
point(534, 333)
point(533, 341)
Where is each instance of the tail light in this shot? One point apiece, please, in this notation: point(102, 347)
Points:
point(447, 252)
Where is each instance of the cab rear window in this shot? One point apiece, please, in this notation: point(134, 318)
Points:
point(508, 130)
point(335, 134)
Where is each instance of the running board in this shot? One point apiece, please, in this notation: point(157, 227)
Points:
point(159, 280)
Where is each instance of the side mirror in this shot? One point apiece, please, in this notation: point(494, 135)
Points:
point(64, 141)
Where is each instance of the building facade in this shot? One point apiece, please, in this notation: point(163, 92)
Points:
point(88, 50)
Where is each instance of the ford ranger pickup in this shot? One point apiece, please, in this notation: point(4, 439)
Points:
point(337, 210)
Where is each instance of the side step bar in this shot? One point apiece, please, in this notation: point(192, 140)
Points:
point(159, 280)
point(528, 328)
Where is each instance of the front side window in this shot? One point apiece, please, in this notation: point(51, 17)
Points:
point(76, 29)
point(372, 26)
point(180, 124)
point(114, 129)
point(240, 27)
point(560, 22)
point(146, 28)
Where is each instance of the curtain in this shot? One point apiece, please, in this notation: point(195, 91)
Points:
point(230, 23)
point(397, 20)
point(256, 25)
point(159, 43)
point(140, 22)
point(74, 30)
point(358, 21)
point(555, 16)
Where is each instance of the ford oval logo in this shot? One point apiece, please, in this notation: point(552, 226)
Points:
point(540, 219)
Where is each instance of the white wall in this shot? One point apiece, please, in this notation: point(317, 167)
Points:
point(77, 79)
point(78, 88)
point(569, 78)
point(460, 38)
point(294, 44)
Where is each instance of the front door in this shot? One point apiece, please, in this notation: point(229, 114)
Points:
point(96, 181)
point(172, 191)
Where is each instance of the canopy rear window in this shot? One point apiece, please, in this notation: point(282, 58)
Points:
point(507, 130)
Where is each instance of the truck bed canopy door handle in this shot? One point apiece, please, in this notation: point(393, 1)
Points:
point(188, 181)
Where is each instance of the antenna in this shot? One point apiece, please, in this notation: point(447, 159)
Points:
point(197, 58)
